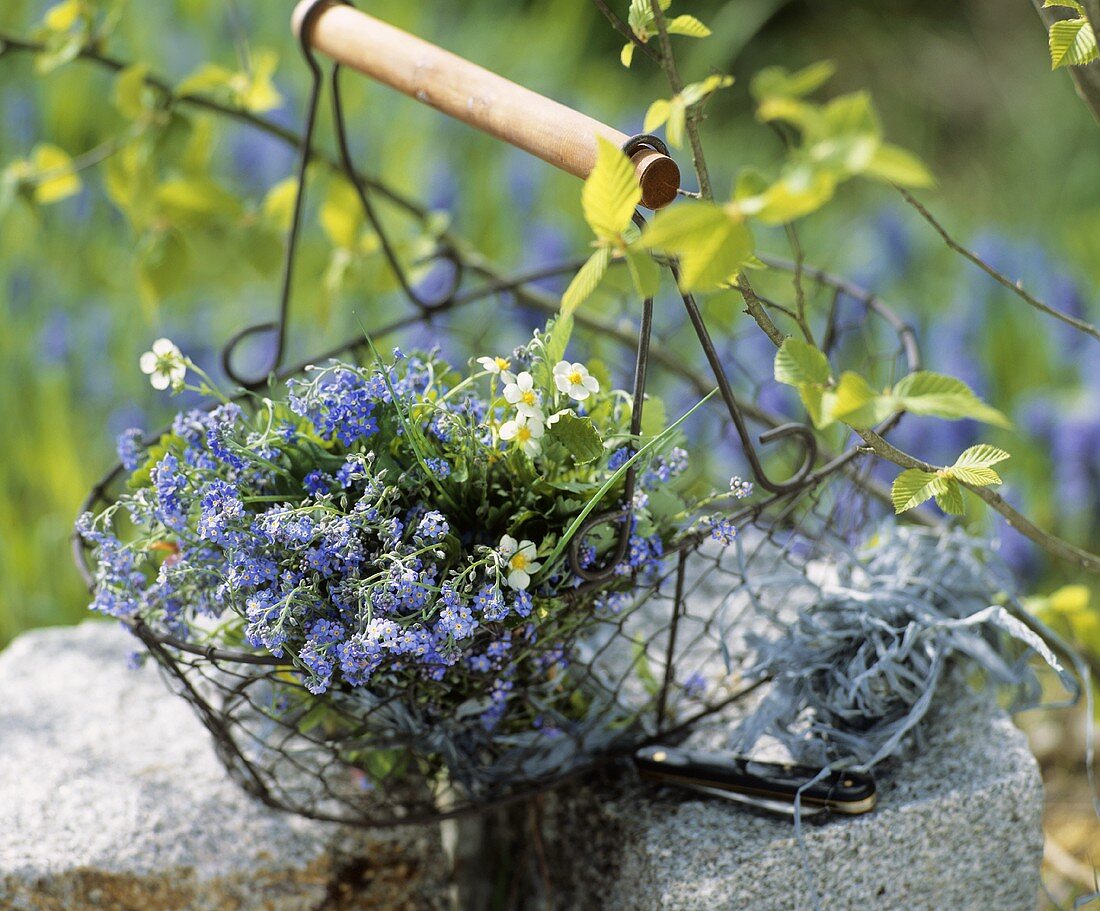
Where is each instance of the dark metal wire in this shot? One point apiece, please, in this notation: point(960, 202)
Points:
point(684, 617)
point(279, 325)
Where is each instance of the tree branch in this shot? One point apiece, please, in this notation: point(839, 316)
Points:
point(203, 102)
point(623, 29)
point(1050, 543)
point(1086, 79)
point(691, 126)
point(1015, 287)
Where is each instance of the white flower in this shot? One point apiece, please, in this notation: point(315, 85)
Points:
point(520, 391)
point(575, 380)
point(494, 364)
point(526, 431)
point(508, 546)
point(165, 365)
point(519, 557)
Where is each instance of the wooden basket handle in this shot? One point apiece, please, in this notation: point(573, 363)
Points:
point(555, 133)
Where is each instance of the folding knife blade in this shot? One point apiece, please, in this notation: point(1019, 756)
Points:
point(767, 785)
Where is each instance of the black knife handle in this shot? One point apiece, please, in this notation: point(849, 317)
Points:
point(842, 791)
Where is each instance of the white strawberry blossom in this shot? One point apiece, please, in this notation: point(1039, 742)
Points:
point(520, 391)
point(494, 364)
point(519, 560)
point(165, 365)
point(526, 431)
point(575, 380)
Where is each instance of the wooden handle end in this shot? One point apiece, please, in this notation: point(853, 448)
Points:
point(659, 176)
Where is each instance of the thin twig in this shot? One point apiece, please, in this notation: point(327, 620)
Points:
point(799, 291)
point(1015, 287)
point(625, 30)
point(203, 102)
point(753, 306)
point(755, 309)
point(691, 124)
point(1050, 543)
point(879, 446)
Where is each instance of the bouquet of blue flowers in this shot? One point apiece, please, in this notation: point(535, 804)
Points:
point(398, 541)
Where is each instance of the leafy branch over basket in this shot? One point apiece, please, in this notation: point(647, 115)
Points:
point(713, 247)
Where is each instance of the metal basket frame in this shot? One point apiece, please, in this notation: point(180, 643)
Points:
point(175, 656)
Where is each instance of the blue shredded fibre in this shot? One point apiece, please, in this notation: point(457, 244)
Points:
point(858, 668)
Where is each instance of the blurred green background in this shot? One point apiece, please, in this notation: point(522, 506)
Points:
point(87, 283)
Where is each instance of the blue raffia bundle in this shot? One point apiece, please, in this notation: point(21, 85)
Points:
point(858, 668)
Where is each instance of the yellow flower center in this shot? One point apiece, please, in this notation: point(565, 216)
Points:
point(519, 561)
point(529, 397)
point(523, 434)
point(575, 378)
point(502, 363)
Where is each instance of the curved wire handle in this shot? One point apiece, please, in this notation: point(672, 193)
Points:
point(802, 432)
point(623, 514)
point(279, 325)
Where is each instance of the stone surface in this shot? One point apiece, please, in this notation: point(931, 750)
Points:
point(111, 797)
point(958, 826)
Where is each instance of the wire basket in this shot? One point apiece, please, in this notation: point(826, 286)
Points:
point(643, 657)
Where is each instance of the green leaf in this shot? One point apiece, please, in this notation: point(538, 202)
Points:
point(981, 456)
point(946, 397)
point(640, 17)
point(53, 174)
point(895, 165)
point(1072, 43)
point(711, 244)
point(644, 271)
point(857, 404)
point(61, 48)
point(950, 499)
point(677, 122)
point(818, 402)
point(973, 466)
point(186, 198)
point(341, 214)
point(688, 26)
point(1068, 4)
point(913, 487)
point(801, 191)
point(131, 92)
point(801, 114)
point(979, 477)
point(278, 204)
point(207, 78)
point(850, 115)
point(750, 182)
point(611, 192)
point(256, 90)
point(656, 116)
point(586, 281)
point(698, 91)
point(578, 435)
point(798, 362)
point(63, 16)
point(775, 81)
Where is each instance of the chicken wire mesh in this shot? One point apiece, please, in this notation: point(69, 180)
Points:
point(633, 658)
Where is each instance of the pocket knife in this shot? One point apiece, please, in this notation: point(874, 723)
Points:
point(766, 785)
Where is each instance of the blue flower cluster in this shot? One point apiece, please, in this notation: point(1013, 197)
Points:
point(329, 529)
